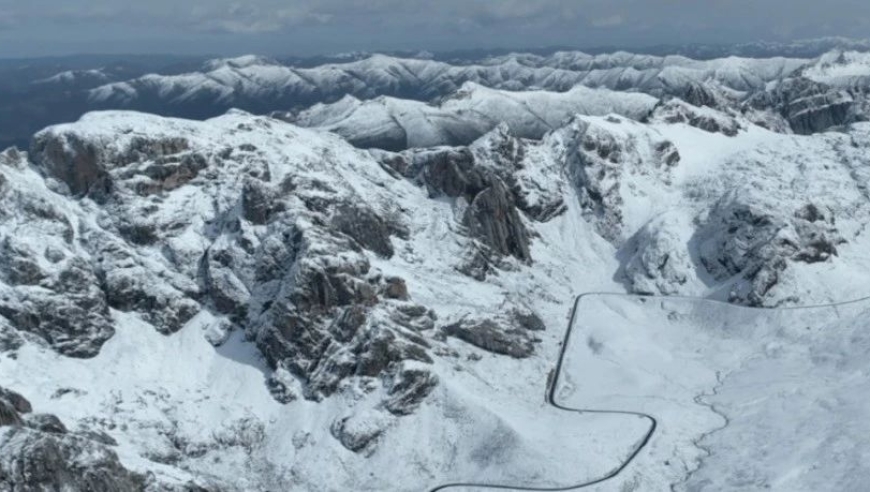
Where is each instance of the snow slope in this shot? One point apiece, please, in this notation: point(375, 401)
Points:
point(745, 399)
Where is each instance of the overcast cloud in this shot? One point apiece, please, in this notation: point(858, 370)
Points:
point(301, 27)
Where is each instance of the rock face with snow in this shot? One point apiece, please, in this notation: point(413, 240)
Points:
point(280, 249)
point(603, 156)
point(741, 239)
point(50, 287)
point(39, 453)
point(484, 179)
point(810, 106)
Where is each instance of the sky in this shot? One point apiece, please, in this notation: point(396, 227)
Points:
point(308, 27)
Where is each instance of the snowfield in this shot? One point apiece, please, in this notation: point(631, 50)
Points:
point(749, 399)
point(242, 303)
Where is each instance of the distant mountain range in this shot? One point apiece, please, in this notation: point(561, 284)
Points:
point(35, 93)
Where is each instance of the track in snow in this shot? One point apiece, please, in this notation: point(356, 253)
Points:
point(653, 422)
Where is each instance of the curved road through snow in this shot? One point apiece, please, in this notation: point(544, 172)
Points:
point(653, 422)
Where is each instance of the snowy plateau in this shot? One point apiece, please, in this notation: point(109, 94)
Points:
point(612, 273)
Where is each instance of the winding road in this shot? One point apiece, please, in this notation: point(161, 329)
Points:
point(653, 422)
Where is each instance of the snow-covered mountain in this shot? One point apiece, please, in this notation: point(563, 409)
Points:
point(398, 124)
point(379, 301)
point(796, 95)
point(76, 77)
point(243, 80)
point(202, 90)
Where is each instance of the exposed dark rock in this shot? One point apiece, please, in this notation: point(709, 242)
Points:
point(284, 262)
point(528, 319)
point(413, 316)
point(98, 436)
point(131, 287)
point(319, 326)
point(364, 226)
point(258, 201)
point(140, 234)
point(451, 172)
point(698, 95)
point(45, 423)
point(818, 235)
point(409, 386)
point(493, 336)
point(493, 193)
point(668, 153)
point(380, 347)
point(11, 157)
point(396, 288)
point(281, 385)
point(229, 294)
point(70, 313)
point(10, 339)
point(8, 414)
point(35, 461)
point(70, 159)
point(141, 149)
point(18, 402)
point(345, 327)
point(809, 106)
point(168, 174)
point(164, 308)
point(759, 245)
point(493, 219)
point(476, 265)
point(397, 165)
point(598, 159)
point(37, 453)
point(704, 118)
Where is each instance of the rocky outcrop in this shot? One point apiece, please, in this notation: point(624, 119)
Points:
point(599, 156)
point(704, 118)
point(482, 180)
point(360, 432)
point(37, 452)
point(698, 94)
point(409, 384)
point(48, 286)
point(74, 161)
point(15, 401)
point(71, 314)
point(131, 285)
point(493, 219)
point(166, 173)
point(511, 332)
point(536, 184)
point(810, 107)
point(186, 225)
point(258, 201)
point(324, 318)
point(364, 226)
point(760, 245)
